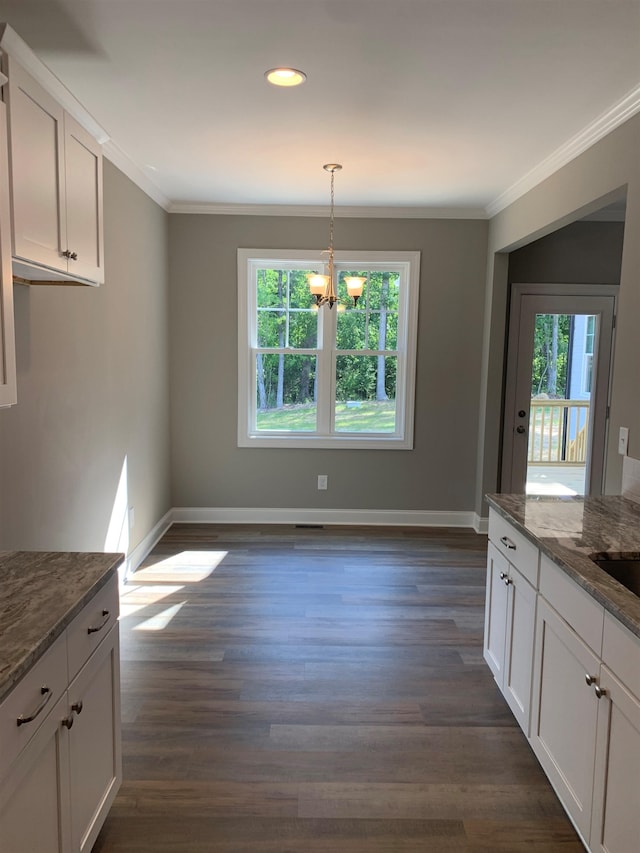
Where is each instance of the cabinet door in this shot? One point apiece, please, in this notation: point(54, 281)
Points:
point(495, 615)
point(34, 795)
point(36, 130)
point(7, 338)
point(616, 805)
point(565, 710)
point(518, 666)
point(95, 770)
point(83, 167)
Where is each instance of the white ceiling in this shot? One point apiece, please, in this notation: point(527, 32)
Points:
point(457, 104)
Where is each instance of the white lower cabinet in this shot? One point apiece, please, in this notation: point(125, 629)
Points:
point(509, 630)
point(563, 733)
point(615, 826)
point(35, 796)
point(570, 673)
point(63, 755)
point(95, 765)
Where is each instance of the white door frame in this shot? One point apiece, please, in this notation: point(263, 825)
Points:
point(573, 299)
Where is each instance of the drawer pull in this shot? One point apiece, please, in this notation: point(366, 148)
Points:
point(508, 543)
point(46, 692)
point(105, 614)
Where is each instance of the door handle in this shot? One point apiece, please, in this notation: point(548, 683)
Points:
point(521, 429)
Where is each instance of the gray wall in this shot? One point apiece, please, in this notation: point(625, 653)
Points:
point(580, 253)
point(595, 178)
point(209, 470)
point(93, 391)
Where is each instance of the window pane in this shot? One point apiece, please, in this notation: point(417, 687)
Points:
point(299, 293)
point(352, 329)
point(272, 328)
point(303, 329)
point(285, 392)
point(365, 394)
point(384, 290)
point(271, 288)
point(383, 330)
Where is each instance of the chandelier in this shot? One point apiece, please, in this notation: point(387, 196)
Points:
point(323, 286)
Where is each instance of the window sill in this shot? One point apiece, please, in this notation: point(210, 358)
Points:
point(356, 442)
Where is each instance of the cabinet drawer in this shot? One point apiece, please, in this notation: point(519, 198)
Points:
point(516, 547)
point(573, 603)
point(92, 625)
point(27, 699)
point(621, 653)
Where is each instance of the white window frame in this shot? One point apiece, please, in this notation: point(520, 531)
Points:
point(408, 264)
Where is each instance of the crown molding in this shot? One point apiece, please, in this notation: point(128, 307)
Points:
point(16, 48)
point(620, 112)
point(126, 165)
point(360, 212)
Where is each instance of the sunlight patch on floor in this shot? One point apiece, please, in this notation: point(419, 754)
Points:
point(185, 567)
point(160, 621)
point(135, 598)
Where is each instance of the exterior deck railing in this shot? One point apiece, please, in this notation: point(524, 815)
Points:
point(558, 432)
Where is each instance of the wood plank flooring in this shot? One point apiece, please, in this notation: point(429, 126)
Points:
point(319, 691)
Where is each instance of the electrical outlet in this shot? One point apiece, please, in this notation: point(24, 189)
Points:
point(323, 482)
point(623, 441)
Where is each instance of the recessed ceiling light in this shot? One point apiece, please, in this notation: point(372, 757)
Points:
point(285, 76)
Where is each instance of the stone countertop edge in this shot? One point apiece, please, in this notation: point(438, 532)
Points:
point(573, 559)
point(98, 569)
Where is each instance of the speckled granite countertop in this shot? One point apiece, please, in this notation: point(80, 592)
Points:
point(40, 593)
point(569, 530)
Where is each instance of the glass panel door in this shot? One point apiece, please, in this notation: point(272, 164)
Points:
point(557, 390)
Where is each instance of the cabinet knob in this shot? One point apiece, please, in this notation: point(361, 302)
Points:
point(590, 679)
point(76, 708)
point(507, 581)
point(503, 575)
point(600, 691)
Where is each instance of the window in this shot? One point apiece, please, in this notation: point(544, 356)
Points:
point(340, 377)
point(587, 374)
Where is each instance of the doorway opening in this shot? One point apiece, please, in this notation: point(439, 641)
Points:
point(558, 368)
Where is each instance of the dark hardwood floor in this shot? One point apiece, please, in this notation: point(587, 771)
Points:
point(319, 691)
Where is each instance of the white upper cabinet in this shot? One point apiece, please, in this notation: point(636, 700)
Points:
point(83, 170)
point(56, 185)
point(36, 124)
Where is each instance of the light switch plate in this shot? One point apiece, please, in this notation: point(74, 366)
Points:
point(623, 441)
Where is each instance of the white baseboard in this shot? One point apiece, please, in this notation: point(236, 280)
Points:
point(143, 548)
point(261, 515)
point(368, 517)
point(480, 524)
